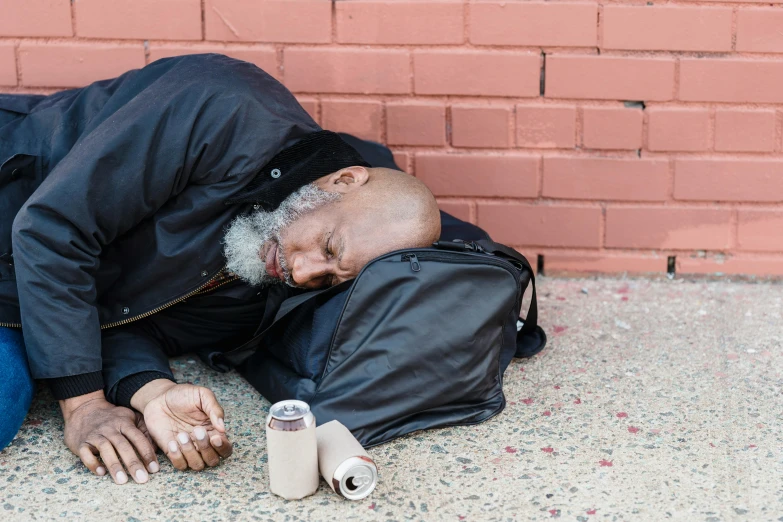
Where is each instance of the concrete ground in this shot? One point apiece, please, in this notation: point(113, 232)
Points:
point(654, 400)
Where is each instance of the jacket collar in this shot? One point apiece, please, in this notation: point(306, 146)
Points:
point(314, 156)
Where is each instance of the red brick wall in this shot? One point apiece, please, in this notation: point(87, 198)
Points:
point(604, 136)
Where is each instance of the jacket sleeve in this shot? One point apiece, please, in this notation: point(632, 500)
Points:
point(166, 136)
point(132, 357)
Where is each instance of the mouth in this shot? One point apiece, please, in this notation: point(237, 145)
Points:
point(273, 268)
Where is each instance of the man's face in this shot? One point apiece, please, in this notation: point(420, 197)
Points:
point(314, 239)
point(252, 244)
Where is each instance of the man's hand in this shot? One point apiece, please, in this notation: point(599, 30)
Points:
point(93, 426)
point(185, 421)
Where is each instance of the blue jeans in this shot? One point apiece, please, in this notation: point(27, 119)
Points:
point(16, 384)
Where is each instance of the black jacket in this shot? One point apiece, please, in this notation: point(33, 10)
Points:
point(114, 197)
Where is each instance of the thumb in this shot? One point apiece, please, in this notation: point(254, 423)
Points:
point(213, 409)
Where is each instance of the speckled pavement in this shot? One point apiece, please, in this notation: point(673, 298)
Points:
point(654, 400)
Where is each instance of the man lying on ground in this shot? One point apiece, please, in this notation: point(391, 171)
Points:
point(147, 216)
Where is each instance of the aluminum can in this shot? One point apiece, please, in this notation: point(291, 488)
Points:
point(344, 463)
point(292, 450)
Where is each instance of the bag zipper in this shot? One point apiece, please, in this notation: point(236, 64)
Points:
point(437, 256)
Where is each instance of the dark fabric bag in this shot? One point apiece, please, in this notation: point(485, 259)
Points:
point(419, 340)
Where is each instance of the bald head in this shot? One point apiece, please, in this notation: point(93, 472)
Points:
point(399, 206)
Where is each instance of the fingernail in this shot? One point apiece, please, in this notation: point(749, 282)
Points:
point(200, 433)
point(217, 441)
point(141, 475)
point(100, 470)
point(154, 468)
point(173, 446)
point(121, 477)
point(221, 423)
point(183, 438)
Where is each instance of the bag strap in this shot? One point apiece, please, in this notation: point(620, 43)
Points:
point(531, 338)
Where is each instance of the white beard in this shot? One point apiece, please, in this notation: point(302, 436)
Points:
point(247, 234)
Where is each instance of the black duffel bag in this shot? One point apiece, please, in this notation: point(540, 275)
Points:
point(420, 339)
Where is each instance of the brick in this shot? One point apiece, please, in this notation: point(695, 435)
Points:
point(666, 28)
point(678, 129)
point(7, 65)
point(745, 130)
point(606, 178)
point(746, 1)
point(362, 71)
point(534, 23)
point(263, 57)
point(734, 265)
point(609, 78)
point(568, 262)
point(541, 225)
point(761, 230)
point(311, 106)
point(480, 126)
point(616, 128)
point(728, 179)
point(141, 19)
point(288, 21)
point(458, 209)
point(415, 124)
point(759, 30)
point(75, 65)
point(360, 118)
point(546, 127)
point(403, 160)
point(399, 22)
point(670, 228)
point(479, 175)
point(479, 73)
point(35, 18)
point(731, 80)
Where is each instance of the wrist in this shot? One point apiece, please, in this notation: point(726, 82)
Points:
point(69, 406)
point(149, 391)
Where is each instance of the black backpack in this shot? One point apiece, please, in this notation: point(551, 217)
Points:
point(420, 339)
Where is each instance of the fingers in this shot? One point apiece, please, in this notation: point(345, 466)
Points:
point(87, 454)
point(212, 408)
point(221, 444)
point(190, 452)
point(110, 460)
point(204, 447)
point(175, 456)
point(144, 448)
point(130, 459)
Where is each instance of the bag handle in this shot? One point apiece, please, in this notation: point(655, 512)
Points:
point(531, 338)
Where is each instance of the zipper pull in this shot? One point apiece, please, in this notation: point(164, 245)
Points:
point(413, 260)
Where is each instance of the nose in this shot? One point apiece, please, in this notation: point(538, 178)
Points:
point(306, 269)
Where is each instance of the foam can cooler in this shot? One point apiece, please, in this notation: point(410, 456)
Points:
point(292, 450)
point(344, 463)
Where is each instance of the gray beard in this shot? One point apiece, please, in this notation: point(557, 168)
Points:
point(247, 234)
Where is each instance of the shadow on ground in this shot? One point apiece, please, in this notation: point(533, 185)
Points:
point(654, 400)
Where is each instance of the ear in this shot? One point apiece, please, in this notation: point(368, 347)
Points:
point(344, 180)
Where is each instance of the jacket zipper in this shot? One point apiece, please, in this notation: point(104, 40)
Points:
point(153, 311)
point(167, 305)
point(10, 325)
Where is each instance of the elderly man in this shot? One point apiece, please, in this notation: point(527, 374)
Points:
point(149, 216)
